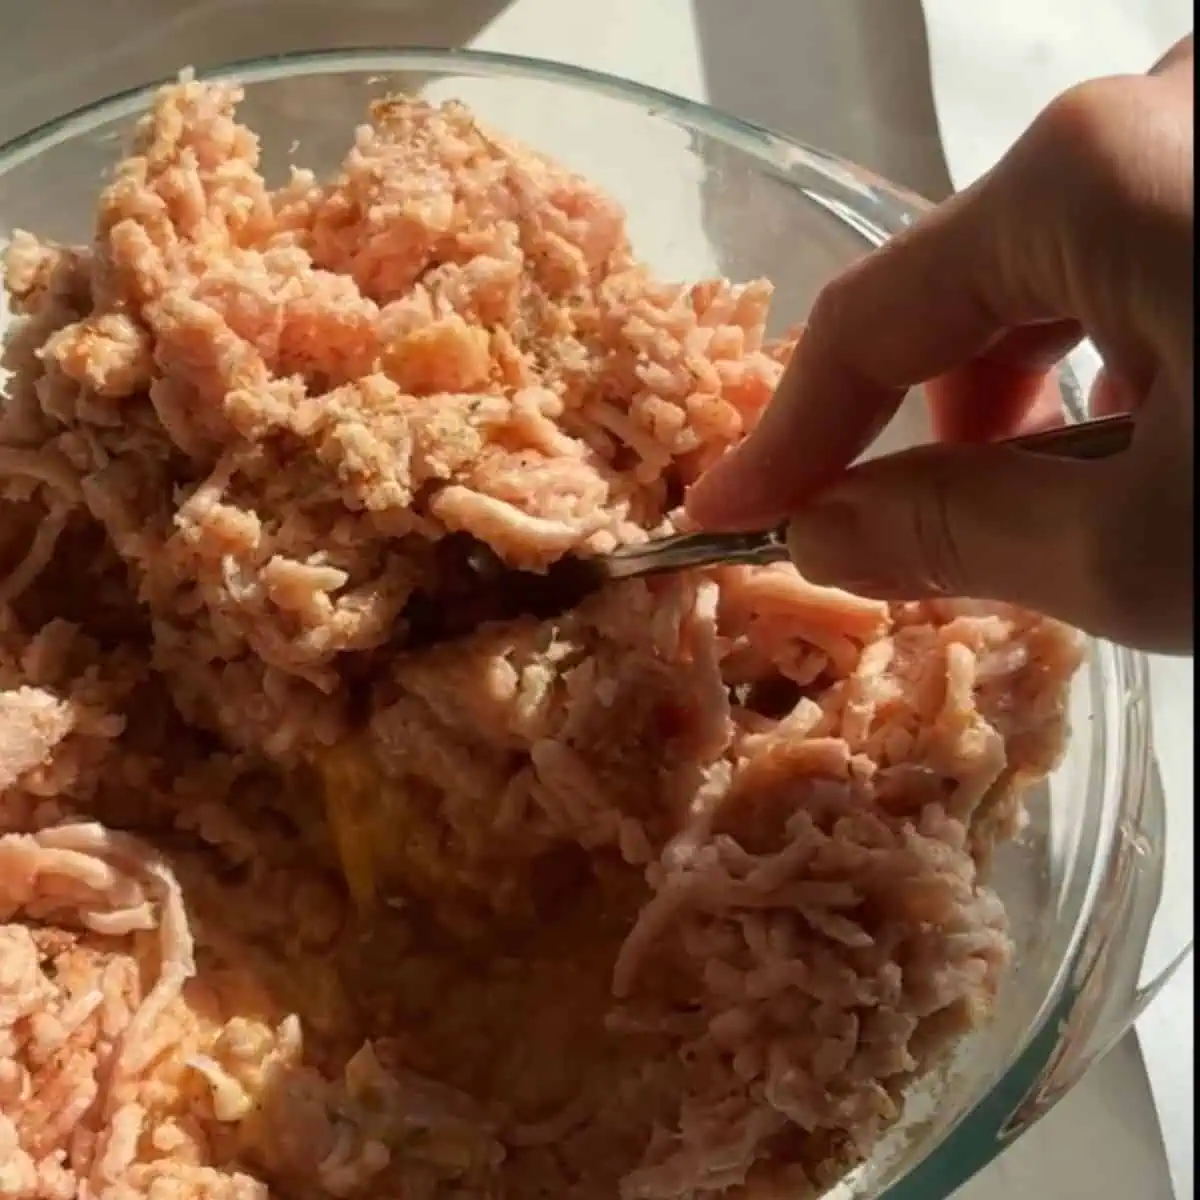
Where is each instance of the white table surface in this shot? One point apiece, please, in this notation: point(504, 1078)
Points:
point(850, 75)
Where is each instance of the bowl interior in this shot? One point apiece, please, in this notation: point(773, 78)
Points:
point(705, 195)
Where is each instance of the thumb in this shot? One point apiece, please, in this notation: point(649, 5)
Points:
point(987, 522)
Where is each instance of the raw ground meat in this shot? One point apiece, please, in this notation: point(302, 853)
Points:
point(671, 897)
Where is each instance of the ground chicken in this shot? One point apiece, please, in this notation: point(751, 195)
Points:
point(672, 896)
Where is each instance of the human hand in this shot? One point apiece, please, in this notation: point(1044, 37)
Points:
point(1085, 228)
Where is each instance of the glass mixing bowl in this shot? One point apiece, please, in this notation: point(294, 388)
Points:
point(705, 194)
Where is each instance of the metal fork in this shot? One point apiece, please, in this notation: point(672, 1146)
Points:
point(1099, 438)
point(490, 590)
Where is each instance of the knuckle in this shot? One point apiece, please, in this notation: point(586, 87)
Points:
point(1114, 135)
point(1110, 154)
point(833, 307)
point(936, 538)
point(1083, 115)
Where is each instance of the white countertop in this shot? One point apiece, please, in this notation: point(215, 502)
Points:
point(850, 75)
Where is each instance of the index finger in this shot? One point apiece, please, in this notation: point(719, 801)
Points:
point(1029, 250)
point(934, 297)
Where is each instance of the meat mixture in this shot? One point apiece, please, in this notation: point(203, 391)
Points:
point(674, 896)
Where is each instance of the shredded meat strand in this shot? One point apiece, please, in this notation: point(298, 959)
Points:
point(673, 896)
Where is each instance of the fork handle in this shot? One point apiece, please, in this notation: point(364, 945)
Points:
point(1096, 439)
point(660, 556)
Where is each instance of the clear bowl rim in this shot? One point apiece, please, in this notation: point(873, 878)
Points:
point(734, 130)
point(986, 1123)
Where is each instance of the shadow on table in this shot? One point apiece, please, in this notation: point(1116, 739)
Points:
point(104, 48)
point(851, 78)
